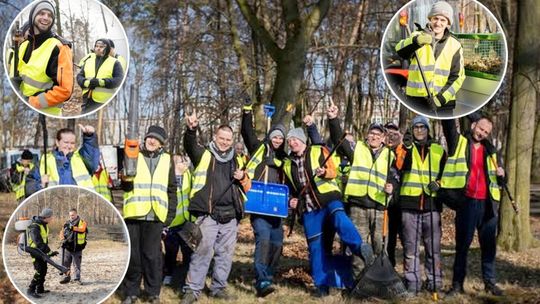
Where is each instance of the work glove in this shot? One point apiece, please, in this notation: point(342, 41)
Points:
point(101, 82)
point(433, 186)
point(408, 140)
point(424, 38)
point(502, 180)
point(438, 100)
point(53, 253)
point(248, 106)
point(94, 82)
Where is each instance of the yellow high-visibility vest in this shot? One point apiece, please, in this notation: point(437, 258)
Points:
point(105, 71)
point(256, 160)
point(43, 231)
point(436, 71)
point(368, 177)
point(78, 170)
point(101, 184)
point(456, 169)
point(415, 181)
point(182, 193)
point(149, 190)
point(19, 188)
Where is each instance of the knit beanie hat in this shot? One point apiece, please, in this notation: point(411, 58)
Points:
point(27, 155)
point(45, 213)
point(442, 8)
point(297, 133)
point(42, 5)
point(420, 120)
point(277, 130)
point(158, 133)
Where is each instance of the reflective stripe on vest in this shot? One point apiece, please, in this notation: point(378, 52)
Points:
point(19, 188)
point(105, 71)
point(182, 194)
point(416, 180)
point(456, 169)
point(368, 177)
point(33, 73)
point(149, 191)
point(323, 185)
point(436, 71)
point(200, 173)
point(79, 171)
point(81, 236)
point(257, 159)
point(101, 184)
point(43, 231)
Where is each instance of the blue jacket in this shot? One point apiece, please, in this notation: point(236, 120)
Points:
point(89, 152)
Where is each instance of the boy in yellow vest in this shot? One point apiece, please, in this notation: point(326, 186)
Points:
point(18, 173)
point(99, 77)
point(440, 56)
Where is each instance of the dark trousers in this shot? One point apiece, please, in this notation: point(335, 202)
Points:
point(40, 271)
point(268, 232)
point(173, 243)
point(394, 229)
point(470, 217)
point(146, 258)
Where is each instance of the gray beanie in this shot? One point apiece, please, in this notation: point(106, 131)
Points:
point(45, 213)
point(158, 133)
point(297, 133)
point(420, 120)
point(42, 5)
point(277, 130)
point(442, 8)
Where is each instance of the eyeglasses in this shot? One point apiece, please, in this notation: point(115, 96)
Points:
point(419, 127)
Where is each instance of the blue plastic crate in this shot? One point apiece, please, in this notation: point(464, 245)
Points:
point(268, 199)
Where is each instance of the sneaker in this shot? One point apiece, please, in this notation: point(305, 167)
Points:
point(265, 288)
point(188, 298)
point(33, 294)
point(456, 289)
point(42, 291)
point(493, 289)
point(65, 280)
point(167, 280)
point(223, 295)
point(366, 253)
point(78, 281)
point(130, 300)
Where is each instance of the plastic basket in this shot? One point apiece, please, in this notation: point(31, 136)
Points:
point(483, 55)
point(267, 199)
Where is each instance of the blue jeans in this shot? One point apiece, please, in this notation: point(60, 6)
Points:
point(472, 215)
point(173, 242)
point(268, 232)
point(328, 270)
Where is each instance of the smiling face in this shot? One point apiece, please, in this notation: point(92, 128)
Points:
point(438, 25)
point(66, 143)
point(481, 129)
point(277, 141)
point(223, 139)
point(43, 21)
point(152, 144)
point(296, 145)
point(375, 138)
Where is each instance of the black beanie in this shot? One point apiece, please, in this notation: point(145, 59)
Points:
point(27, 155)
point(158, 133)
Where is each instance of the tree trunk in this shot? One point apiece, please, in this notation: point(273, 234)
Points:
point(515, 232)
point(535, 177)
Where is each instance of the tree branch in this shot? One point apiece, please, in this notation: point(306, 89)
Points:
point(262, 34)
point(314, 19)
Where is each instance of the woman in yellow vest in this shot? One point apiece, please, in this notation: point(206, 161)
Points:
point(73, 243)
point(149, 205)
point(37, 236)
point(470, 184)
point(440, 56)
point(99, 77)
point(65, 164)
point(421, 210)
point(45, 63)
point(371, 180)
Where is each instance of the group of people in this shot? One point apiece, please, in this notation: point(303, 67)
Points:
point(73, 238)
point(44, 71)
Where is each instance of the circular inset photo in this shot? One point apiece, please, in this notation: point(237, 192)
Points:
point(444, 59)
point(66, 58)
point(66, 244)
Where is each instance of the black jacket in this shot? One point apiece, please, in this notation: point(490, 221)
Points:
point(35, 234)
point(218, 192)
